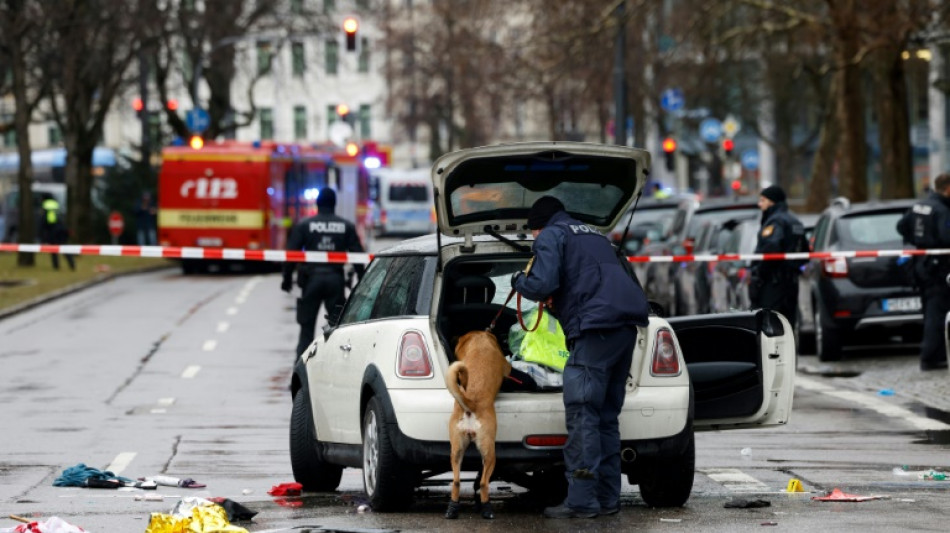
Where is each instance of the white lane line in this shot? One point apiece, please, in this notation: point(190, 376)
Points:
point(158, 411)
point(232, 311)
point(191, 371)
point(875, 404)
point(121, 462)
point(209, 345)
point(735, 480)
point(223, 326)
point(165, 402)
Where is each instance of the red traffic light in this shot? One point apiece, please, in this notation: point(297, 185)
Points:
point(669, 145)
point(171, 104)
point(736, 185)
point(138, 104)
point(728, 145)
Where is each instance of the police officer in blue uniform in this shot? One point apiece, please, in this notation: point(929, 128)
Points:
point(599, 305)
point(774, 284)
point(321, 283)
point(927, 225)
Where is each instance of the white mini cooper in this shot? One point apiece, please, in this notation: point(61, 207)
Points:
point(370, 392)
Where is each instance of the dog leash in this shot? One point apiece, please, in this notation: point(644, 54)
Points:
point(541, 307)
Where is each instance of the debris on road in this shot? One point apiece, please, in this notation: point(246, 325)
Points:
point(837, 495)
point(171, 481)
point(194, 515)
point(794, 485)
point(286, 489)
point(87, 476)
point(746, 504)
point(51, 525)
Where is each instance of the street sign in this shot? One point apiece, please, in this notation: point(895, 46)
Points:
point(710, 129)
point(197, 120)
point(116, 224)
point(672, 100)
point(750, 159)
point(731, 126)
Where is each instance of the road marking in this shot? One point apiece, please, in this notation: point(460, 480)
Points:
point(735, 480)
point(158, 411)
point(873, 403)
point(120, 462)
point(232, 311)
point(191, 371)
point(166, 402)
point(209, 345)
point(223, 326)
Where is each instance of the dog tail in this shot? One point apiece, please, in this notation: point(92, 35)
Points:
point(452, 383)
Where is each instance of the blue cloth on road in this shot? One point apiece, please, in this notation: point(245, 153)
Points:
point(76, 476)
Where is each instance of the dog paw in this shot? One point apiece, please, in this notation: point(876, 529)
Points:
point(452, 512)
point(487, 512)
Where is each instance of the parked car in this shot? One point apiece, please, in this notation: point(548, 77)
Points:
point(650, 220)
point(691, 217)
point(11, 208)
point(861, 300)
point(369, 393)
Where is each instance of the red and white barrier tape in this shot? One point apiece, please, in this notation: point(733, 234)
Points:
point(175, 252)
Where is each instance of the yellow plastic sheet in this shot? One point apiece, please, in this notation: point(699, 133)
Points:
point(203, 519)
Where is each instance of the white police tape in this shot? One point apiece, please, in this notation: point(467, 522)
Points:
point(280, 256)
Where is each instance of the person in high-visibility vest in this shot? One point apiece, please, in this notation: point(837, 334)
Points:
point(53, 231)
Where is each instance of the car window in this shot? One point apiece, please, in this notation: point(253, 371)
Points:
point(400, 286)
point(717, 217)
point(869, 230)
point(821, 229)
point(408, 192)
point(359, 306)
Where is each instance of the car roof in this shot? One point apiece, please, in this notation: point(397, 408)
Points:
point(428, 245)
point(842, 207)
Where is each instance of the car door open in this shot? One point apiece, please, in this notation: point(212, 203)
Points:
point(741, 366)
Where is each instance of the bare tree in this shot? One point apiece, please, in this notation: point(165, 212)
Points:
point(88, 66)
point(19, 33)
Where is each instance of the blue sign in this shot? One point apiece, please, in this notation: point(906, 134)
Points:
point(672, 100)
point(710, 129)
point(197, 120)
point(750, 159)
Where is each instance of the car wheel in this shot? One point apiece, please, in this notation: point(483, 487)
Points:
point(668, 481)
point(827, 342)
point(310, 470)
point(388, 484)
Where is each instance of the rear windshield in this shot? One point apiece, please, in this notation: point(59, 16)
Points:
point(865, 231)
point(408, 192)
point(660, 218)
point(718, 216)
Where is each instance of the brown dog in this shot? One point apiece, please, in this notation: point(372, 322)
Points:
point(474, 380)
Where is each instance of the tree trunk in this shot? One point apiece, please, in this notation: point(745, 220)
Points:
point(897, 180)
point(27, 224)
point(852, 155)
point(823, 163)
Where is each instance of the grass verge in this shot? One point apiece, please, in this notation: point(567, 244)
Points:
point(22, 284)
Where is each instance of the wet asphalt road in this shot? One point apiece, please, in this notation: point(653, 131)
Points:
point(187, 376)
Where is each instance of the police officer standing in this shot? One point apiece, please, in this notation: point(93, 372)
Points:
point(320, 282)
point(927, 225)
point(599, 305)
point(774, 284)
point(53, 231)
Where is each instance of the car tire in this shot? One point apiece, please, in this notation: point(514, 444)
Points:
point(827, 340)
point(668, 481)
point(306, 461)
point(388, 483)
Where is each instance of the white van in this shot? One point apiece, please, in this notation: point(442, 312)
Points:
point(402, 202)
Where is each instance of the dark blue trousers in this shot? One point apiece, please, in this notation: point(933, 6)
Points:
point(936, 302)
point(595, 380)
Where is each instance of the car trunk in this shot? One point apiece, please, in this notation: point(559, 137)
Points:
point(872, 231)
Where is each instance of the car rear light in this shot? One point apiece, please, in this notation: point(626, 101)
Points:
point(842, 314)
point(545, 441)
point(666, 360)
point(413, 360)
point(382, 216)
point(835, 267)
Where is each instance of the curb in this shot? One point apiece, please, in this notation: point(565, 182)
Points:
point(71, 289)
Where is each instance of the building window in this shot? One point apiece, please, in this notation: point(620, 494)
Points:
point(364, 118)
point(296, 6)
point(363, 65)
point(329, 5)
point(300, 122)
point(299, 63)
point(55, 135)
point(267, 123)
point(333, 56)
point(264, 57)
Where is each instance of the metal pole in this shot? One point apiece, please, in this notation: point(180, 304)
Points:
point(620, 85)
point(143, 94)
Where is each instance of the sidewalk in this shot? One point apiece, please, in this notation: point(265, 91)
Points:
point(899, 373)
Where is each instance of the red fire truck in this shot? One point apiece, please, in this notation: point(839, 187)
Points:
point(234, 194)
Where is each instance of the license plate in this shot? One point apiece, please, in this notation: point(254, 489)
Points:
point(901, 304)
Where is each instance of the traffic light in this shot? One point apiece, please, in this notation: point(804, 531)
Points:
point(727, 146)
point(171, 104)
point(669, 150)
point(736, 185)
point(137, 104)
point(196, 142)
point(343, 111)
point(350, 25)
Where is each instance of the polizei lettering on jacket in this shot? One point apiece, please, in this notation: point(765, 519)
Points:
point(582, 228)
point(327, 227)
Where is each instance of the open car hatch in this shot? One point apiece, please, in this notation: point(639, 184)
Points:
point(491, 189)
